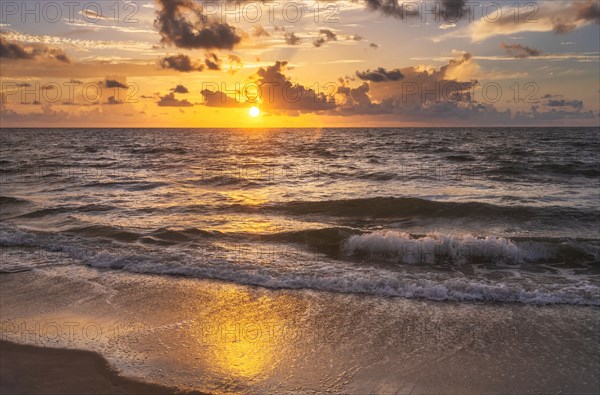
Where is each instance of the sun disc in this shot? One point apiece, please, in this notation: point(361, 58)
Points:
point(254, 112)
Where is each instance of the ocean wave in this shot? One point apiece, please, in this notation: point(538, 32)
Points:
point(8, 200)
point(127, 185)
point(315, 273)
point(159, 150)
point(402, 207)
point(399, 247)
point(226, 180)
point(332, 278)
point(166, 235)
point(47, 211)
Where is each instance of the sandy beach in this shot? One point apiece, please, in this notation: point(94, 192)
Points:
point(46, 371)
point(225, 338)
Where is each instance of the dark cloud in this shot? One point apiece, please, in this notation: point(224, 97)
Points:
point(446, 10)
point(180, 89)
point(37, 51)
point(589, 11)
point(199, 32)
point(358, 101)
point(326, 35)
point(114, 84)
point(578, 11)
point(562, 28)
point(113, 100)
point(212, 62)
point(520, 51)
point(379, 75)
point(418, 94)
point(291, 39)
point(169, 100)
point(319, 41)
point(453, 10)
point(373, 45)
point(180, 63)
point(578, 104)
point(219, 99)
point(13, 51)
point(186, 64)
point(426, 95)
point(551, 115)
point(60, 56)
point(355, 37)
point(331, 36)
point(394, 8)
point(279, 94)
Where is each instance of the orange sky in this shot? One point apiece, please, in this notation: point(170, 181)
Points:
point(161, 64)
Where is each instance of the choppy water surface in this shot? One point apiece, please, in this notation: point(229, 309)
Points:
point(457, 214)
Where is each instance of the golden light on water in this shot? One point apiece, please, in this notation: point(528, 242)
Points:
point(254, 111)
point(246, 336)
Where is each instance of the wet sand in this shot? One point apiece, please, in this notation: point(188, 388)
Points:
point(30, 370)
point(218, 337)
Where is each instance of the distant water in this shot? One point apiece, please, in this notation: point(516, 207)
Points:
point(506, 215)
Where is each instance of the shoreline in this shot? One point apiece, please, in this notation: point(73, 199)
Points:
point(27, 369)
point(217, 337)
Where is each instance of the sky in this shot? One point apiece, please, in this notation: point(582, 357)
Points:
point(361, 63)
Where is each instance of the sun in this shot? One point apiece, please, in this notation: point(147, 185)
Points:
point(254, 111)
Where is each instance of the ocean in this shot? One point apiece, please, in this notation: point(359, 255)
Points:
point(359, 261)
point(477, 214)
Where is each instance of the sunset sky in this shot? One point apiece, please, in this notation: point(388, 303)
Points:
point(186, 63)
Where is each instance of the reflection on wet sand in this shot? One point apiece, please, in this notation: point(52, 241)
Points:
point(246, 336)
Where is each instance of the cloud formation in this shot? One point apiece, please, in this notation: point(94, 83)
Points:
point(279, 94)
point(432, 95)
point(379, 75)
point(38, 51)
point(212, 62)
point(555, 101)
point(216, 98)
point(259, 31)
point(114, 84)
point(275, 93)
point(186, 64)
point(446, 10)
point(169, 100)
point(326, 35)
point(393, 8)
point(180, 89)
point(520, 51)
point(291, 39)
point(181, 23)
point(558, 17)
point(180, 63)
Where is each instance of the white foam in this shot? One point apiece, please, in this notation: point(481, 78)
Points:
point(321, 273)
point(403, 248)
